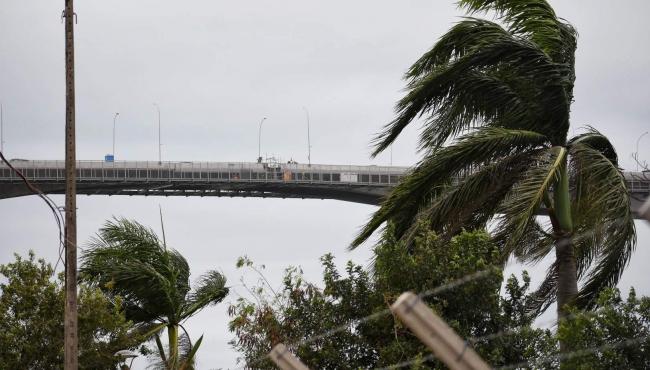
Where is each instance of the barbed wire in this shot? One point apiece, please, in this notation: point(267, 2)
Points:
point(473, 340)
point(400, 365)
point(578, 353)
point(463, 280)
point(526, 364)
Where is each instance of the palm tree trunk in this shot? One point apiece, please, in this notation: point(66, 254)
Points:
point(567, 282)
point(172, 333)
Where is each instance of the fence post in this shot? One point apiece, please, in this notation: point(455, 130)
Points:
point(436, 334)
point(284, 359)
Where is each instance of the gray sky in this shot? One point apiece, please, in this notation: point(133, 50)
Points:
point(216, 68)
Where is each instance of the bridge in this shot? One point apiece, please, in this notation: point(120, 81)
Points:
point(359, 184)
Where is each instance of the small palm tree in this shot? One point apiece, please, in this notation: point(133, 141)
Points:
point(496, 100)
point(129, 260)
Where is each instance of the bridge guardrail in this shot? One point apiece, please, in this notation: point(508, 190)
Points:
point(147, 171)
point(205, 171)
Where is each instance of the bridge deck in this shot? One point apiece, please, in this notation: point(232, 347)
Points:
point(363, 184)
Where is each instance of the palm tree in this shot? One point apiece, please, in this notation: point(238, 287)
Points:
point(496, 102)
point(128, 260)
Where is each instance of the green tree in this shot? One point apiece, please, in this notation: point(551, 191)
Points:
point(496, 99)
point(31, 320)
point(345, 323)
point(128, 259)
point(616, 336)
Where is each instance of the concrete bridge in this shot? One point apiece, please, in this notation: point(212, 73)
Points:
point(359, 184)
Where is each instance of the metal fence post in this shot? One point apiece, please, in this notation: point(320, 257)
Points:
point(284, 359)
point(436, 334)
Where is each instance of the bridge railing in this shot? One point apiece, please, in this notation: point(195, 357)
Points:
point(143, 171)
point(148, 171)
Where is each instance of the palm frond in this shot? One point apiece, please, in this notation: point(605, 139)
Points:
point(211, 290)
point(545, 294)
point(180, 276)
point(187, 353)
point(431, 92)
point(145, 287)
point(595, 140)
point(482, 146)
point(536, 243)
point(602, 208)
point(519, 209)
point(532, 19)
point(463, 38)
point(129, 260)
point(471, 202)
point(487, 98)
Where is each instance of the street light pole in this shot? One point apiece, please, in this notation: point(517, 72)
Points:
point(636, 154)
point(114, 118)
point(259, 142)
point(308, 139)
point(159, 144)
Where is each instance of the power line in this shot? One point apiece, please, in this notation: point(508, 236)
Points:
point(56, 210)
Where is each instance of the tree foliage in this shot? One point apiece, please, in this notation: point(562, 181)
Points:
point(495, 97)
point(31, 320)
point(345, 322)
point(619, 329)
point(128, 260)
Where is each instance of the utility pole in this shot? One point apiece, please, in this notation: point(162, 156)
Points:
point(71, 340)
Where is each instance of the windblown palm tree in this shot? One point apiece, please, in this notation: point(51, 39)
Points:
point(496, 97)
point(129, 260)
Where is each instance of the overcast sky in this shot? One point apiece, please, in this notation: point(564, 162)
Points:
point(216, 68)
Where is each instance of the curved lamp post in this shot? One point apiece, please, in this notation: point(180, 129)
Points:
point(308, 139)
point(114, 118)
point(159, 144)
point(636, 159)
point(259, 142)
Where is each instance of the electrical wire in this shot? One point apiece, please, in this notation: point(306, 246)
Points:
point(56, 210)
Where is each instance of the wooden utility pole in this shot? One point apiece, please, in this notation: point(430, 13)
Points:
point(71, 341)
